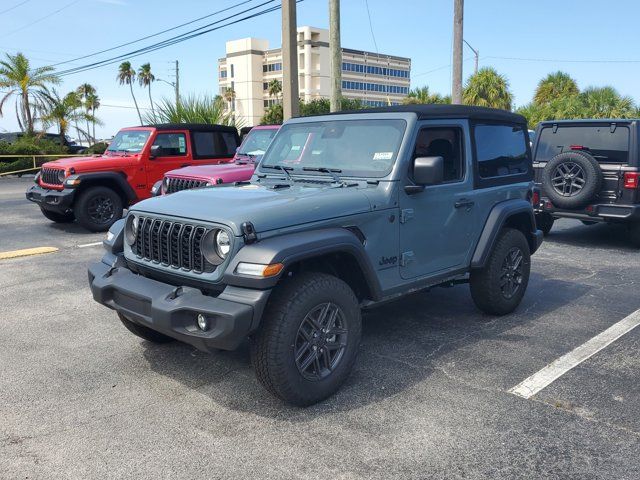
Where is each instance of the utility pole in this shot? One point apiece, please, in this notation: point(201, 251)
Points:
point(336, 55)
point(290, 98)
point(456, 87)
point(476, 53)
point(177, 83)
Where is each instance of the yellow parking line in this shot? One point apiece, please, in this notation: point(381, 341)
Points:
point(26, 252)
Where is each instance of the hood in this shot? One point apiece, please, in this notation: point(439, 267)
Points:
point(83, 164)
point(267, 208)
point(212, 172)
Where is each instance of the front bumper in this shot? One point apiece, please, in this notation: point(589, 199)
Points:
point(605, 212)
point(173, 311)
point(59, 201)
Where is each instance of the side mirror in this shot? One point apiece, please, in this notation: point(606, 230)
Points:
point(156, 151)
point(426, 171)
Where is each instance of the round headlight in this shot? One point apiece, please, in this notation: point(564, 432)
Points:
point(61, 176)
point(223, 243)
point(131, 229)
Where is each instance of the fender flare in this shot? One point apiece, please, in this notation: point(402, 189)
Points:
point(497, 219)
point(294, 247)
point(99, 178)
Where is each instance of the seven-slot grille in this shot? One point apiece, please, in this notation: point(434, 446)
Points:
point(50, 176)
point(176, 184)
point(172, 244)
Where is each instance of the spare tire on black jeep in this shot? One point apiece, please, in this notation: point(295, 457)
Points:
point(572, 179)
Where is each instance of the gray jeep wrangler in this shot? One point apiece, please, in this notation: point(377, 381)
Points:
point(345, 212)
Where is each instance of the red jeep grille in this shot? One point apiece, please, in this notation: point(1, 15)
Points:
point(172, 244)
point(176, 184)
point(50, 176)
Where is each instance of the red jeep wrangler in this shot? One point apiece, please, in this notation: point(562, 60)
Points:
point(94, 190)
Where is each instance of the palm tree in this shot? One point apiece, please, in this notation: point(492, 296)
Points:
point(126, 76)
point(83, 92)
point(229, 95)
point(145, 79)
point(422, 95)
point(274, 88)
point(92, 103)
point(553, 86)
point(62, 112)
point(487, 88)
point(30, 85)
point(192, 109)
point(606, 102)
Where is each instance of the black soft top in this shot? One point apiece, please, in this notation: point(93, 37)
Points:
point(425, 112)
point(193, 126)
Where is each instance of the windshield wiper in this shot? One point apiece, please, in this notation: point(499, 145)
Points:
point(281, 168)
point(331, 171)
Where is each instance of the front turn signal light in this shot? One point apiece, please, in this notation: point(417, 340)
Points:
point(259, 269)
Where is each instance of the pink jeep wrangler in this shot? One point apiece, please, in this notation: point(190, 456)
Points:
point(241, 168)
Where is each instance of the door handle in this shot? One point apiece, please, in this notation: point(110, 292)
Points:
point(464, 203)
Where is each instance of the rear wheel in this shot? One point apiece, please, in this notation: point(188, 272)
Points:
point(544, 221)
point(308, 342)
point(144, 332)
point(97, 208)
point(498, 288)
point(58, 217)
point(634, 234)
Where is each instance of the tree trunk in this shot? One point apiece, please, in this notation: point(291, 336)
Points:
point(27, 111)
point(135, 102)
point(153, 111)
point(93, 130)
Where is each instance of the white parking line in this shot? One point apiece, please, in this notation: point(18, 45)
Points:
point(562, 365)
point(94, 244)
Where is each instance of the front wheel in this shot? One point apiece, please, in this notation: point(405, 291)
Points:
point(309, 338)
point(98, 208)
point(58, 217)
point(498, 288)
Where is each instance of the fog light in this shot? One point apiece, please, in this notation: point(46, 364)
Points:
point(203, 322)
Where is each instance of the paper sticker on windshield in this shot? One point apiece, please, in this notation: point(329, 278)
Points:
point(383, 155)
point(181, 144)
point(295, 148)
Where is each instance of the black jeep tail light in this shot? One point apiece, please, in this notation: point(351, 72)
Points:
point(631, 180)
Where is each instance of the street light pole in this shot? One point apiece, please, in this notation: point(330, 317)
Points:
point(456, 80)
point(335, 55)
point(476, 53)
point(290, 99)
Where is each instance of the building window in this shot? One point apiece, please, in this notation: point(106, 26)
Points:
point(223, 73)
point(374, 70)
point(272, 67)
point(265, 86)
point(270, 102)
point(232, 70)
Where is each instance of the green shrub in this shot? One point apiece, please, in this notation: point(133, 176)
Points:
point(26, 146)
point(97, 148)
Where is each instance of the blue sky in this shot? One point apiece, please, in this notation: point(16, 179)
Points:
point(522, 40)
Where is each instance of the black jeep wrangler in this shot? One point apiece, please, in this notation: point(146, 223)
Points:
point(588, 170)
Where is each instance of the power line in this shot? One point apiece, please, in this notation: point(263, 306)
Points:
point(153, 35)
point(41, 18)
point(174, 40)
point(375, 44)
point(14, 7)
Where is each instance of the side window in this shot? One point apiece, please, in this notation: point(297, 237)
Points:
point(214, 144)
point(445, 142)
point(501, 150)
point(173, 144)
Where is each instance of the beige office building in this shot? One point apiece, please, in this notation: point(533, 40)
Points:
point(249, 66)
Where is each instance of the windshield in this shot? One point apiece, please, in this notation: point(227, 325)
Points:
point(132, 141)
point(256, 142)
point(359, 148)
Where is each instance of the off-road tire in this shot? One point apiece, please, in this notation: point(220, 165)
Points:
point(634, 234)
point(86, 201)
point(485, 283)
point(273, 346)
point(144, 332)
point(590, 171)
point(58, 217)
point(544, 221)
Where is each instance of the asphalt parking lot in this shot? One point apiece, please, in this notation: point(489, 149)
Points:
point(80, 397)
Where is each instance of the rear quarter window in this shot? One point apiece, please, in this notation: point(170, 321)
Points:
point(214, 144)
point(502, 154)
point(606, 143)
